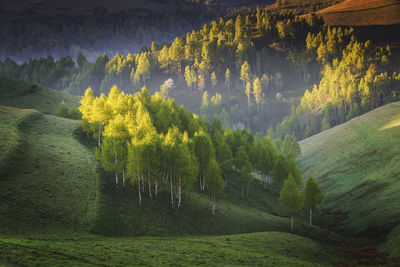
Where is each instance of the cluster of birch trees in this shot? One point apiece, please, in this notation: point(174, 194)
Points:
point(157, 145)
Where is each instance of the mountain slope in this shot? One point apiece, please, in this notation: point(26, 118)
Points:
point(358, 166)
point(361, 13)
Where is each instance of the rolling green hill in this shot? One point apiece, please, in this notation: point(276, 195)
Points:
point(358, 167)
point(59, 208)
point(22, 94)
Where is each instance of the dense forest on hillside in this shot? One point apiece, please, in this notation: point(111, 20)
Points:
point(158, 145)
point(252, 60)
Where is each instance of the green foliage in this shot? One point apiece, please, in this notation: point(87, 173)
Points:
point(312, 194)
point(290, 198)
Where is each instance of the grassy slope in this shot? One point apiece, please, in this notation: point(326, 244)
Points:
point(358, 167)
point(51, 183)
point(50, 197)
point(358, 13)
point(17, 93)
point(265, 249)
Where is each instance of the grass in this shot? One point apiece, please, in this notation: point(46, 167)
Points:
point(392, 242)
point(50, 184)
point(265, 249)
point(358, 167)
point(22, 94)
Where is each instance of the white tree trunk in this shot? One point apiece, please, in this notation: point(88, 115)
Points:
point(156, 187)
point(116, 179)
point(151, 197)
point(179, 193)
point(140, 195)
point(142, 184)
point(291, 224)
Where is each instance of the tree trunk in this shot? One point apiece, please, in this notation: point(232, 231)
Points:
point(140, 195)
point(311, 216)
point(242, 191)
point(151, 197)
point(142, 184)
point(116, 179)
point(156, 187)
point(172, 195)
point(204, 182)
point(213, 203)
point(123, 178)
point(247, 194)
point(291, 224)
point(179, 193)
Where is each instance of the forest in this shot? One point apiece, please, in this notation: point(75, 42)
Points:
point(255, 61)
point(157, 144)
point(199, 132)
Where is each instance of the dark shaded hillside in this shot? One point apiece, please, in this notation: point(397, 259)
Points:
point(357, 165)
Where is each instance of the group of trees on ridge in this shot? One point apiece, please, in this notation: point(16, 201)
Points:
point(157, 145)
point(354, 80)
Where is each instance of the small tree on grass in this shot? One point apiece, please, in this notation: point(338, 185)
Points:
point(291, 199)
point(312, 195)
point(214, 182)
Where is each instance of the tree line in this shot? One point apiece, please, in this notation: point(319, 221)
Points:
point(355, 80)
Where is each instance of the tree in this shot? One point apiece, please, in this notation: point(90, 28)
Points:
point(245, 73)
point(243, 166)
point(142, 73)
point(257, 92)
point(228, 78)
point(214, 182)
point(291, 199)
point(312, 195)
point(214, 80)
point(248, 94)
point(203, 149)
point(290, 146)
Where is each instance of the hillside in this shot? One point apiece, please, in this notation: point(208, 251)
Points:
point(357, 166)
point(49, 180)
point(362, 13)
point(22, 94)
point(53, 195)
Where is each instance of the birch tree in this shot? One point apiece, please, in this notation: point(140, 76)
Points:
point(214, 182)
